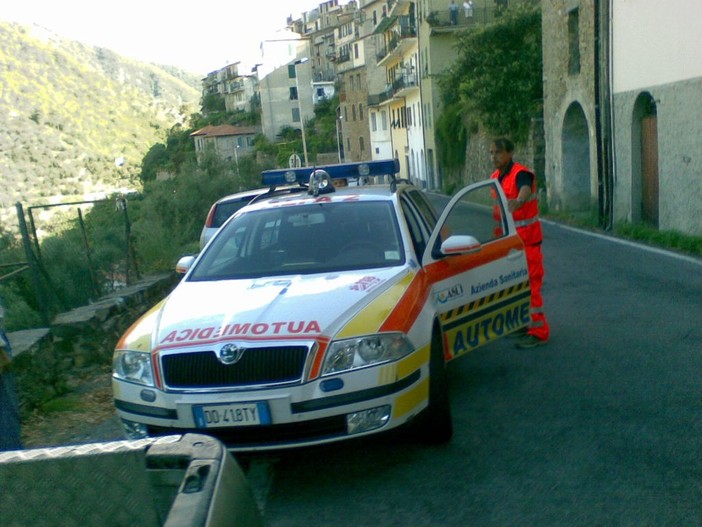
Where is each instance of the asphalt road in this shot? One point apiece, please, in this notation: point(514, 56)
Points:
point(601, 427)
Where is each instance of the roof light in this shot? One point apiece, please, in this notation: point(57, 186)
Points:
point(286, 176)
point(320, 183)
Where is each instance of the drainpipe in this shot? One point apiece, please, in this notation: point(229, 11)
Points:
point(603, 141)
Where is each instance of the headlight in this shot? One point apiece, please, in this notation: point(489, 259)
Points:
point(350, 354)
point(133, 366)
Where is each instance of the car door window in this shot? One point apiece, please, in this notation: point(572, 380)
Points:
point(420, 202)
point(478, 213)
point(418, 233)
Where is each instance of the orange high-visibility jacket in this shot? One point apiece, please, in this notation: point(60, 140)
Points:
point(526, 217)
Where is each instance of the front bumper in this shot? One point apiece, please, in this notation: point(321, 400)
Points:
point(300, 415)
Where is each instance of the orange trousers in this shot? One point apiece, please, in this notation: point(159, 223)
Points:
point(535, 265)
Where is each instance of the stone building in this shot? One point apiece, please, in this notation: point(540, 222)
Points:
point(623, 110)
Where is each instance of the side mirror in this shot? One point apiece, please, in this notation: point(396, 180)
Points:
point(184, 264)
point(460, 244)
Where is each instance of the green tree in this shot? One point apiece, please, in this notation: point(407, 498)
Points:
point(497, 78)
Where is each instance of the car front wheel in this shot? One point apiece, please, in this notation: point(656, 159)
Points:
point(434, 425)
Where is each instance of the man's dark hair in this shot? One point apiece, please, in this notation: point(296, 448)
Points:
point(502, 143)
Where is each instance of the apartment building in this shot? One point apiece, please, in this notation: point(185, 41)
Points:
point(285, 83)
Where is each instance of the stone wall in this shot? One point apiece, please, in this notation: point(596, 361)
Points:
point(47, 361)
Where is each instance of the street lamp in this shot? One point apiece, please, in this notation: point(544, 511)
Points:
point(236, 158)
point(338, 131)
point(299, 107)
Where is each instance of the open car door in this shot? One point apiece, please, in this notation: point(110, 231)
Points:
point(477, 263)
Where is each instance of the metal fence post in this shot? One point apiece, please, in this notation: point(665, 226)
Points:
point(33, 268)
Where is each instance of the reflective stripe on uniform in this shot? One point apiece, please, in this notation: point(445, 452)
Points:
point(524, 223)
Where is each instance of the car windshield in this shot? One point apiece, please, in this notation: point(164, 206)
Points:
point(304, 239)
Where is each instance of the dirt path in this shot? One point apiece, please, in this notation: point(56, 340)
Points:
point(85, 415)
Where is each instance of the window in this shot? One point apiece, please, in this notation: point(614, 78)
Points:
point(296, 115)
point(418, 231)
point(293, 93)
point(361, 145)
point(355, 51)
point(384, 119)
point(291, 71)
point(360, 112)
point(285, 241)
point(374, 121)
point(353, 112)
point(478, 213)
point(573, 42)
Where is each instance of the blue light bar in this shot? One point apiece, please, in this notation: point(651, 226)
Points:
point(289, 176)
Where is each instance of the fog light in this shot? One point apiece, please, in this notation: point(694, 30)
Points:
point(331, 385)
point(148, 395)
point(134, 430)
point(366, 420)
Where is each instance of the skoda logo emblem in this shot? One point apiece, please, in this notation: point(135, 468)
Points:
point(230, 354)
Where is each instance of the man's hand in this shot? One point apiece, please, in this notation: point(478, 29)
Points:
point(514, 204)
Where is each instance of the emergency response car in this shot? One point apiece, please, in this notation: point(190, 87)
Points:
point(326, 314)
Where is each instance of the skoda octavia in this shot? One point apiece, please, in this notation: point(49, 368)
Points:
point(325, 314)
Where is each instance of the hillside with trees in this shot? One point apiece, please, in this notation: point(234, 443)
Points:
point(76, 121)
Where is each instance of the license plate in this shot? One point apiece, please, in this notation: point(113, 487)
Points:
point(232, 414)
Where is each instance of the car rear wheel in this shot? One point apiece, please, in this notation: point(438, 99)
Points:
point(434, 425)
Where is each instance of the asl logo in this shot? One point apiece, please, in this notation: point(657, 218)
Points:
point(455, 291)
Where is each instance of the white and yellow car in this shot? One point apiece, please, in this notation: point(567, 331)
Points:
point(325, 315)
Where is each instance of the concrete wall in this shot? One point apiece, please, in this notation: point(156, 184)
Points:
point(679, 116)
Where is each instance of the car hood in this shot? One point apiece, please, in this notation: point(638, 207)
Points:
point(303, 306)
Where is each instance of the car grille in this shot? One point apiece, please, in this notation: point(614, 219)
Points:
point(258, 366)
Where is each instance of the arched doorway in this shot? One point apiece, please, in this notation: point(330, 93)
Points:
point(644, 161)
point(575, 151)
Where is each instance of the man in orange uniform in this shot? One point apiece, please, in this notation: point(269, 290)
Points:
point(519, 185)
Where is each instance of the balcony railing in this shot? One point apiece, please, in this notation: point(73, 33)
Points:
point(480, 16)
point(379, 98)
point(407, 80)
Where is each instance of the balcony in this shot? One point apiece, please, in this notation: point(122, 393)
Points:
point(399, 36)
point(377, 99)
point(404, 83)
point(440, 21)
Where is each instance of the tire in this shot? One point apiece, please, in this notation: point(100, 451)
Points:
point(434, 425)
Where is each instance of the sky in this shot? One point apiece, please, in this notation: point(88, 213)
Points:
point(197, 36)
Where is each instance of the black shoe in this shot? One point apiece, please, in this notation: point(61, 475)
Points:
point(530, 341)
point(519, 334)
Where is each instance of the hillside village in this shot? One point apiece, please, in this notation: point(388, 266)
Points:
point(614, 95)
